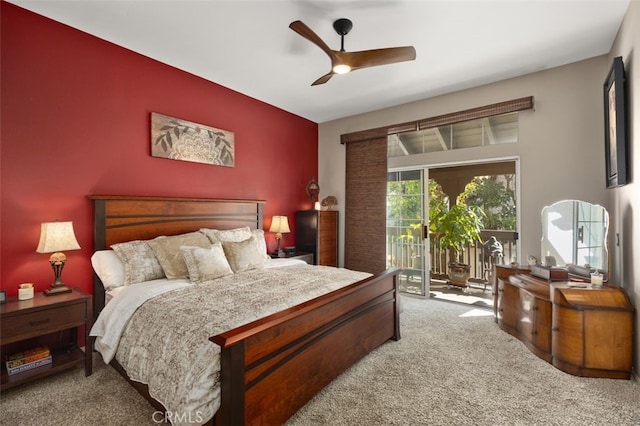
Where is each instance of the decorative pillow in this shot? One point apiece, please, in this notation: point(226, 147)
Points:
point(167, 250)
point(262, 244)
point(206, 264)
point(109, 268)
point(244, 255)
point(140, 263)
point(235, 235)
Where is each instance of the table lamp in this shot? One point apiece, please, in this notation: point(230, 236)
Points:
point(54, 238)
point(279, 225)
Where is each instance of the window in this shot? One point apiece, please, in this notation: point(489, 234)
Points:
point(499, 129)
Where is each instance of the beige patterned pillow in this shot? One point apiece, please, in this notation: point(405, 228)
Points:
point(235, 235)
point(167, 250)
point(206, 264)
point(244, 255)
point(140, 262)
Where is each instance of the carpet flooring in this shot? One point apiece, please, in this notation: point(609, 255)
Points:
point(453, 366)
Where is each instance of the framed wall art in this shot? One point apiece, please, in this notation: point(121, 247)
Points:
point(183, 140)
point(615, 136)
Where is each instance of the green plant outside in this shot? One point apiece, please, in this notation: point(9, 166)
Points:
point(458, 227)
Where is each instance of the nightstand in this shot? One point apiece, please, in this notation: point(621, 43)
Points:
point(307, 257)
point(50, 320)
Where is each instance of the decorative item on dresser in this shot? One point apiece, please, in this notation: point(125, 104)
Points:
point(317, 233)
point(56, 237)
point(581, 329)
point(328, 202)
point(27, 324)
point(268, 367)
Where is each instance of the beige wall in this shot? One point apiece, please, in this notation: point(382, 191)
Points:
point(561, 149)
point(625, 201)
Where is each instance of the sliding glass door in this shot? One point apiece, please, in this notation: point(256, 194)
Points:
point(407, 243)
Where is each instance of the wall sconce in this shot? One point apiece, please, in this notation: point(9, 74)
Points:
point(279, 225)
point(54, 238)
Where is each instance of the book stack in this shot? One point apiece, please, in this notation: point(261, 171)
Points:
point(29, 359)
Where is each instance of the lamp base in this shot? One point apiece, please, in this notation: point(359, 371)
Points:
point(57, 289)
point(57, 261)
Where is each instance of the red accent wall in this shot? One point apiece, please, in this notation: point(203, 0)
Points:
point(75, 117)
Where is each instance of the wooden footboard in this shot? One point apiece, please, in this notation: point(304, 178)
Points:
point(273, 366)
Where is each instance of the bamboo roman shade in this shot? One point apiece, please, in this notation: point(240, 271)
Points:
point(479, 112)
point(365, 205)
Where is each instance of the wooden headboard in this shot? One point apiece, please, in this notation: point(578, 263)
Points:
point(119, 219)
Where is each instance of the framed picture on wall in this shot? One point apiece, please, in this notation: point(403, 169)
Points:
point(615, 136)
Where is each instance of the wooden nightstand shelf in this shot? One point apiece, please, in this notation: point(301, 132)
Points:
point(307, 257)
point(23, 323)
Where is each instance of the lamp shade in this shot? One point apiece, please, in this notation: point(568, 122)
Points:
point(57, 236)
point(279, 225)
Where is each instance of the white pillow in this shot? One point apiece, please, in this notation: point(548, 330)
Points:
point(205, 264)
point(244, 255)
point(109, 268)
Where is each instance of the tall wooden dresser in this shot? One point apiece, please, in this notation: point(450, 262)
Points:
point(317, 233)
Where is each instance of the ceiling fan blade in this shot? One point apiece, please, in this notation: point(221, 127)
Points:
point(306, 32)
point(375, 57)
point(323, 79)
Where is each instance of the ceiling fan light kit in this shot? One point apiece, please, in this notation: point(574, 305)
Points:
point(343, 62)
point(341, 69)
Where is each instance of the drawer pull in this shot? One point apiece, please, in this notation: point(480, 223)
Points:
point(39, 322)
point(555, 329)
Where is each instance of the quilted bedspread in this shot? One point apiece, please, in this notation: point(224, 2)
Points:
point(165, 344)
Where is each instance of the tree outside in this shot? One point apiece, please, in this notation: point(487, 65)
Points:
point(495, 195)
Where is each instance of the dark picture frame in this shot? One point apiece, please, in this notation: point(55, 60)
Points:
point(615, 137)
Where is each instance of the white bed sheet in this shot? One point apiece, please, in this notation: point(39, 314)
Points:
point(116, 314)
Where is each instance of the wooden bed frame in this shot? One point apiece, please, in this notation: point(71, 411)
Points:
point(273, 366)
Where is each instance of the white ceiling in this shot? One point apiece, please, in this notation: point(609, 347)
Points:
point(248, 47)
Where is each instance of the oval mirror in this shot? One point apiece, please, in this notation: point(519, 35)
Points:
point(575, 233)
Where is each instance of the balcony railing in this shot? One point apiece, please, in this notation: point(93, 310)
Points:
point(407, 254)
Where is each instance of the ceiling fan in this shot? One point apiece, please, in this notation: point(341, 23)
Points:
point(343, 62)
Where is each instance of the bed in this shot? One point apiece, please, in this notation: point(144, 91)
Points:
point(271, 366)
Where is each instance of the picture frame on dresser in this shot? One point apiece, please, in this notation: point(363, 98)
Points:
point(615, 137)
